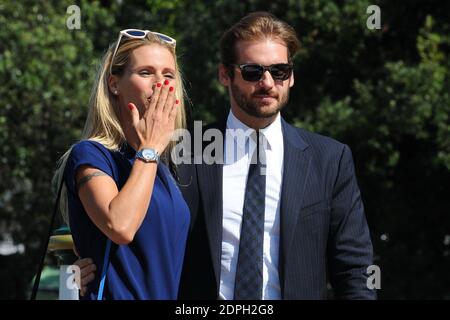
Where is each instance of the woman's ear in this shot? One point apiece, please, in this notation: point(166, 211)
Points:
point(113, 84)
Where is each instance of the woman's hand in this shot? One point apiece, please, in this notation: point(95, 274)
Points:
point(119, 214)
point(154, 128)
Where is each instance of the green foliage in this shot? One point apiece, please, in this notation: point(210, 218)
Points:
point(46, 71)
point(384, 92)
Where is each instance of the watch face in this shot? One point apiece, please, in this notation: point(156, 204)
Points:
point(148, 154)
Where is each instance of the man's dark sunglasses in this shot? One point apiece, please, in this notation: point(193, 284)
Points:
point(253, 72)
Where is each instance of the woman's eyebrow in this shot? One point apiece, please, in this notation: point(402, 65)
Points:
point(164, 70)
point(144, 67)
point(169, 70)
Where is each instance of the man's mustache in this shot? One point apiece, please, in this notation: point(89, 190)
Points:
point(266, 93)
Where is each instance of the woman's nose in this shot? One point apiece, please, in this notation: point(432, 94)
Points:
point(160, 79)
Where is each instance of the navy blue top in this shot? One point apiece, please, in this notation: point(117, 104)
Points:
point(150, 266)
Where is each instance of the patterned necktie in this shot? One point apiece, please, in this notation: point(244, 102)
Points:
point(249, 270)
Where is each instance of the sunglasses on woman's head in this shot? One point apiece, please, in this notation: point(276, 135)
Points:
point(253, 72)
point(139, 34)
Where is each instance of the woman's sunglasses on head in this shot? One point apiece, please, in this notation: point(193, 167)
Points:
point(253, 72)
point(139, 34)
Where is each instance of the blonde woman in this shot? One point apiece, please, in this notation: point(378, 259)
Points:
point(124, 209)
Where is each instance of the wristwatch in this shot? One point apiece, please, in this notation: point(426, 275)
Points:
point(148, 155)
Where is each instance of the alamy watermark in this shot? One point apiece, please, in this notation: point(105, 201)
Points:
point(374, 279)
point(212, 146)
point(72, 275)
point(374, 20)
point(74, 20)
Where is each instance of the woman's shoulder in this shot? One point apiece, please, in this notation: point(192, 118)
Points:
point(90, 148)
point(90, 152)
point(87, 145)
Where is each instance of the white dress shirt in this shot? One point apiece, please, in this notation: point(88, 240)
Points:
point(237, 157)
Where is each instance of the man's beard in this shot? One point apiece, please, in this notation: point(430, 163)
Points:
point(251, 108)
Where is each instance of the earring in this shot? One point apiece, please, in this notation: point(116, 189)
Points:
point(115, 92)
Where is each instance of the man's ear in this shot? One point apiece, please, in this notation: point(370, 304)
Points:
point(291, 79)
point(224, 77)
point(113, 84)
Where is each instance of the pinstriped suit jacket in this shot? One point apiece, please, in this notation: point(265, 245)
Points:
point(324, 233)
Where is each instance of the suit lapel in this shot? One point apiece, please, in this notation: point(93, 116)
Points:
point(211, 191)
point(296, 161)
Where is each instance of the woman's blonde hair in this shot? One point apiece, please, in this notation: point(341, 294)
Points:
point(102, 123)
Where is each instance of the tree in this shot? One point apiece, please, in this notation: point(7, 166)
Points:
point(46, 71)
point(383, 92)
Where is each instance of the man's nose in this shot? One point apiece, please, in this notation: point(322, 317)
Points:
point(266, 80)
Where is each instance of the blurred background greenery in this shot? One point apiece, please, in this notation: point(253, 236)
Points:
point(383, 92)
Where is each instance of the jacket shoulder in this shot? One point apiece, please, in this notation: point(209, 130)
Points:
point(317, 142)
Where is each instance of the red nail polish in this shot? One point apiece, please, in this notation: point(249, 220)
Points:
point(130, 106)
point(177, 101)
point(166, 82)
point(171, 89)
point(158, 84)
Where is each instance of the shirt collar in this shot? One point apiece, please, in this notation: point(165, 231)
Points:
point(273, 132)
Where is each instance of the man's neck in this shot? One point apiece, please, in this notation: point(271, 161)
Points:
point(251, 121)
